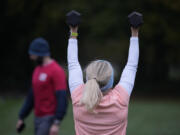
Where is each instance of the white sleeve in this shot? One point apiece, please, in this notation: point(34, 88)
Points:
point(75, 71)
point(129, 73)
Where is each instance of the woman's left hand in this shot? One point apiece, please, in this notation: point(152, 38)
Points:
point(74, 29)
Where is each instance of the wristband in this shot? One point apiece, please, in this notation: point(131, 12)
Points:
point(74, 34)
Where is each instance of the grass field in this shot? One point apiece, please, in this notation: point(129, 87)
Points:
point(146, 117)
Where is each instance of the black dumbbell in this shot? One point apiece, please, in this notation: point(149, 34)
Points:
point(73, 18)
point(135, 19)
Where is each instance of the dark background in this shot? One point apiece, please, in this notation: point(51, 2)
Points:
point(103, 34)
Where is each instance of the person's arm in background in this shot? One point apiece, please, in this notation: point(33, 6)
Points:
point(59, 83)
point(75, 71)
point(129, 73)
point(26, 108)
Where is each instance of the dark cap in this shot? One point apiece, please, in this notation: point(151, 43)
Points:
point(39, 47)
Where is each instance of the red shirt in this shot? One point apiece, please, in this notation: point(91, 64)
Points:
point(46, 80)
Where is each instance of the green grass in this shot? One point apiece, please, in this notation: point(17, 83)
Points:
point(145, 118)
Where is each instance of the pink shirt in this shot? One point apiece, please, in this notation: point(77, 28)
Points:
point(111, 114)
point(110, 117)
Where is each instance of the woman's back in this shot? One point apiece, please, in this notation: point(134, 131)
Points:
point(97, 108)
point(108, 118)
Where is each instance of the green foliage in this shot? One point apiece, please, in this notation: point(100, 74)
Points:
point(104, 33)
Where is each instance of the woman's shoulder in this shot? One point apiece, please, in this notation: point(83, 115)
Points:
point(121, 94)
point(77, 93)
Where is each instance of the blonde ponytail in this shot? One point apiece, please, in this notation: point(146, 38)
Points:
point(98, 74)
point(91, 94)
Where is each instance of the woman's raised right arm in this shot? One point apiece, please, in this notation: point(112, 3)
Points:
point(75, 71)
point(129, 73)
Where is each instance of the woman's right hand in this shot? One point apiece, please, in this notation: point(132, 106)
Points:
point(134, 32)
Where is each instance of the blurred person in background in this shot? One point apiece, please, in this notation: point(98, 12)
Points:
point(48, 93)
point(98, 108)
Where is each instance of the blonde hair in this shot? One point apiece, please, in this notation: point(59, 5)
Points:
point(98, 74)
